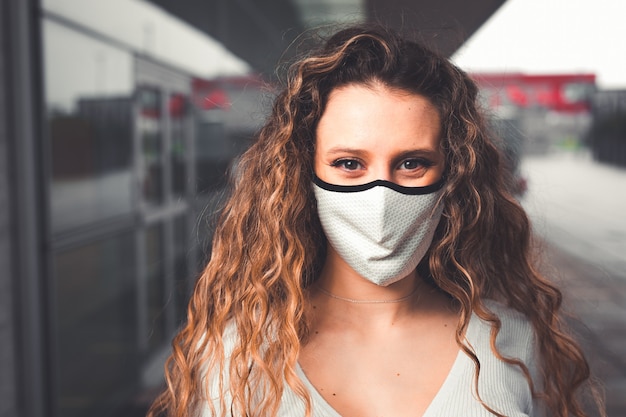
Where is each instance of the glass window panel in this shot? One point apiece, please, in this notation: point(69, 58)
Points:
point(89, 110)
point(154, 241)
point(150, 128)
point(212, 155)
point(96, 326)
point(182, 277)
point(178, 110)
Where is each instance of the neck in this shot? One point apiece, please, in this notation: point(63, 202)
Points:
point(368, 301)
point(347, 298)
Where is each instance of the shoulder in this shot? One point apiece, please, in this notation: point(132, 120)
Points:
point(516, 336)
point(502, 383)
point(499, 383)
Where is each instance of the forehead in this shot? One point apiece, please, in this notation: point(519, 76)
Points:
point(359, 113)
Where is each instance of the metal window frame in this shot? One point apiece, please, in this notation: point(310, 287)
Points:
point(167, 80)
point(22, 84)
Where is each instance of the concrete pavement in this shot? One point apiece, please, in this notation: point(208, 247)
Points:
point(578, 207)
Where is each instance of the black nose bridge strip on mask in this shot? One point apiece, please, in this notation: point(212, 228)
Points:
point(379, 183)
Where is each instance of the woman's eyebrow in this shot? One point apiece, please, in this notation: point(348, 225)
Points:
point(346, 150)
point(426, 152)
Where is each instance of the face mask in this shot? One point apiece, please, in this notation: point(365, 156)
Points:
point(381, 230)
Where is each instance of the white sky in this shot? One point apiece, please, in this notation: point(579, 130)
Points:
point(552, 36)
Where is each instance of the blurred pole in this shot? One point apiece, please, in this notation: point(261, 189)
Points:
point(20, 86)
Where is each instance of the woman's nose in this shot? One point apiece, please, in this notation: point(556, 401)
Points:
point(382, 172)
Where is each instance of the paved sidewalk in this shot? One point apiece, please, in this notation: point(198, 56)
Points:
point(578, 206)
point(597, 301)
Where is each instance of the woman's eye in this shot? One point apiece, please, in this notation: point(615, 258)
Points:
point(410, 164)
point(347, 164)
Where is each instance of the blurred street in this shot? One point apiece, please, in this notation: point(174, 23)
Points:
point(578, 206)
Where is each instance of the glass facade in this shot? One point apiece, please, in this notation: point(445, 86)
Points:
point(150, 131)
point(178, 107)
point(182, 266)
point(89, 96)
point(155, 280)
point(135, 156)
point(123, 204)
point(97, 357)
point(94, 314)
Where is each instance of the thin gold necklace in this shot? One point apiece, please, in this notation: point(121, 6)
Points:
point(351, 300)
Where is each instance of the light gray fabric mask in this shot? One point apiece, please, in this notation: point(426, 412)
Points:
point(382, 230)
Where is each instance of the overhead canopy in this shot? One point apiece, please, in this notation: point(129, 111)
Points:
point(260, 31)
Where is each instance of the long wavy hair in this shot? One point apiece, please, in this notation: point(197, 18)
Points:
point(269, 246)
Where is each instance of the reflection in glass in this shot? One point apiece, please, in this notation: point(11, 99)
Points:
point(181, 270)
point(150, 128)
point(212, 155)
point(88, 97)
point(156, 286)
point(97, 325)
point(178, 110)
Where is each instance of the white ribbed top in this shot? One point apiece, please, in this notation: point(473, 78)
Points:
point(502, 386)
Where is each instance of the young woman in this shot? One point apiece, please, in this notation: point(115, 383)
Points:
point(370, 261)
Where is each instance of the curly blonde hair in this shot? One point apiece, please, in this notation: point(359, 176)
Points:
point(269, 246)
